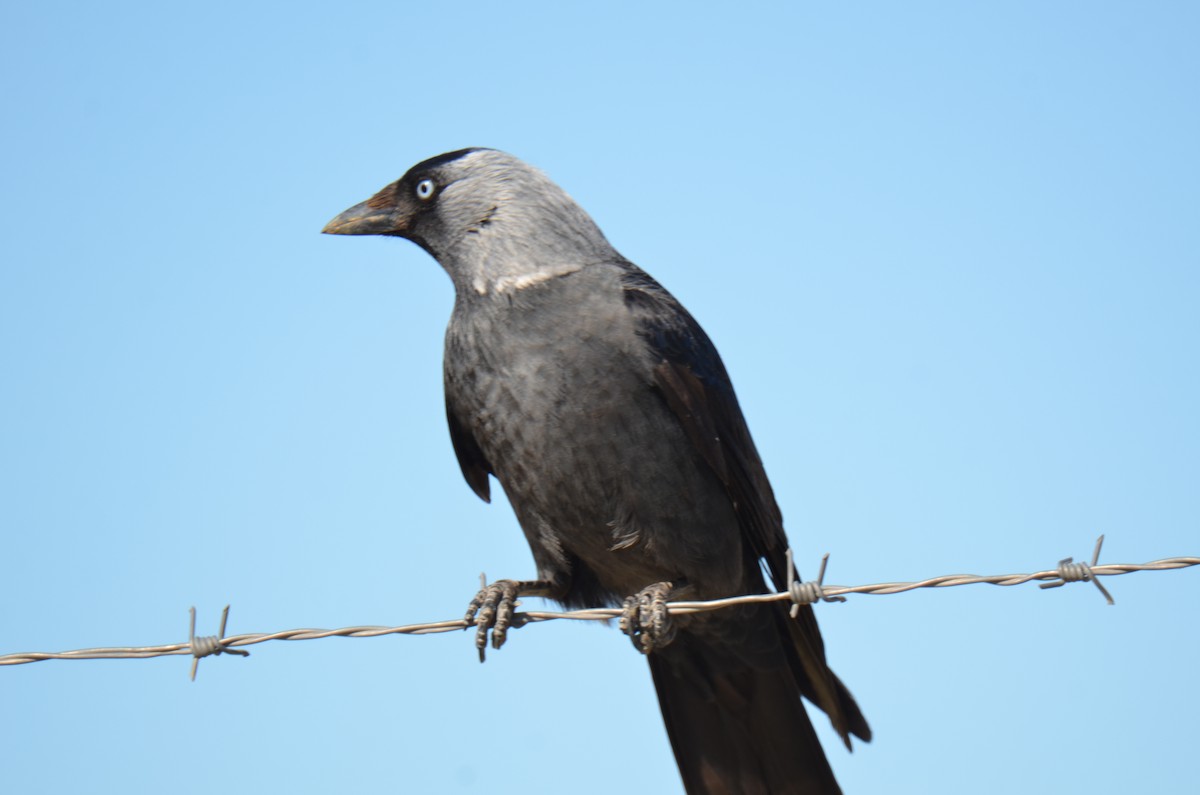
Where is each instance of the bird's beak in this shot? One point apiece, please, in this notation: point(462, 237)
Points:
point(363, 219)
point(379, 215)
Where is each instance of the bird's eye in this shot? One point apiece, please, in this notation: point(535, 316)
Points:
point(425, 190)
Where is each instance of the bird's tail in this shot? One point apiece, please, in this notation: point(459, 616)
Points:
point(731, 703)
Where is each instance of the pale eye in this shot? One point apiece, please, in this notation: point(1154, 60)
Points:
point(425, 190)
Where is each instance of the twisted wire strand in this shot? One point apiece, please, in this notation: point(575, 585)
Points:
point(804, 593)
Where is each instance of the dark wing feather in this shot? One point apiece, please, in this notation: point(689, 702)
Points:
point(693, 381)
point(474, 465)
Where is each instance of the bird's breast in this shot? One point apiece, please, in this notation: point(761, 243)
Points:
point(562, 403)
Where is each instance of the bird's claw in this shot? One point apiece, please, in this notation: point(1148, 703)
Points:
point(492, 609)
point(646, 620)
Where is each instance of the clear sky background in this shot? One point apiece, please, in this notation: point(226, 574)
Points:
point(950, 253)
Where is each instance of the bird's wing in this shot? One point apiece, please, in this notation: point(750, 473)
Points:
point(693, 381)
point(474, 465)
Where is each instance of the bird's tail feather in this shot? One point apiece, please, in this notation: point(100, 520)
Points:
point(819, 684)
point(732, 708)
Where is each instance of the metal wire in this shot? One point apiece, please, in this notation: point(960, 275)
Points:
point(799, 593)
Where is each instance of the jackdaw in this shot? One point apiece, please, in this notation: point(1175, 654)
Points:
point(604, 412)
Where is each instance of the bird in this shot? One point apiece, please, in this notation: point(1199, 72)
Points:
point(603, 410)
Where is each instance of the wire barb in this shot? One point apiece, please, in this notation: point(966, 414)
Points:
point(807, 593)
point(206, 645)
point(1069, 571)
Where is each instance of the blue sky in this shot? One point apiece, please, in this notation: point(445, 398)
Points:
point(949, 252)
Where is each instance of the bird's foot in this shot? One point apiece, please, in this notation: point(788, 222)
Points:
point(492, 610)
point(646, 620)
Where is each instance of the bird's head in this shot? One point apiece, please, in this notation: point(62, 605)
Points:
point(490, 219)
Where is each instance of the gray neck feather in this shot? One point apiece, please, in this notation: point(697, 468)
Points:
point(511, 227)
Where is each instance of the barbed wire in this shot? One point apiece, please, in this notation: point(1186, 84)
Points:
point(799, 593)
